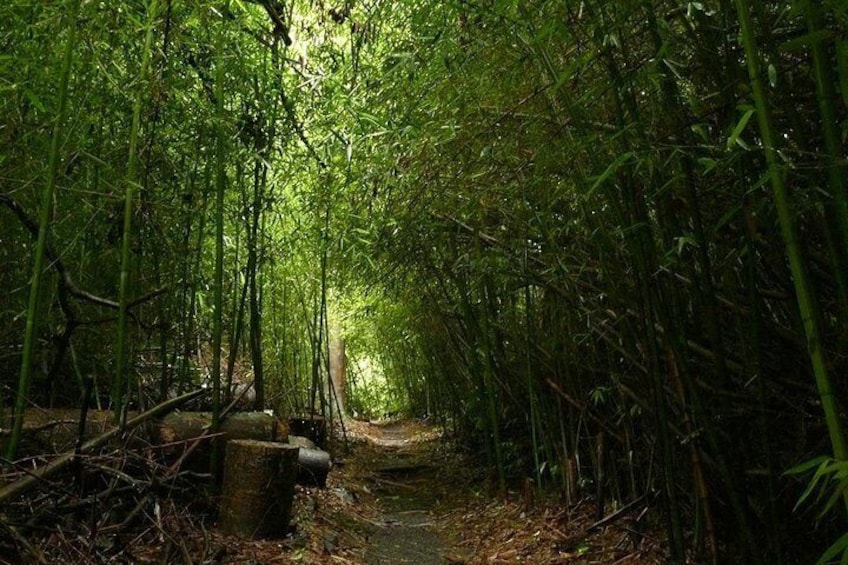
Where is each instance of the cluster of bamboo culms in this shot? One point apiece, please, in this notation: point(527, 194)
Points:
point(147, 155)
point(632, 278)
point(606, 241)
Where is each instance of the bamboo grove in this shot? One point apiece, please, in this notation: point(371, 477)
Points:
point(605, 243)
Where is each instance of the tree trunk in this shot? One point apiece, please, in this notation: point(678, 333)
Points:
point(337, 370)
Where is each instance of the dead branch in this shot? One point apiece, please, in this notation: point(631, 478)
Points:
point(22, 541)
point(612, 517)
point(63, 461)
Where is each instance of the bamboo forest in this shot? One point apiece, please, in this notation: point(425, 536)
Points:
point(409, 281)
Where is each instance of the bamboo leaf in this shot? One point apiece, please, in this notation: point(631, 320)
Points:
point(610, 170)
point(840, 546)
point(814, 481)
point(708, 164)
point(683, 242)
point(729, 215)
point(806, 465)
point(734, 138)
point(834, 497)
point(34, 99)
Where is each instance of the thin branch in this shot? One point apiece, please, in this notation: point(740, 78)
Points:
point(21, 486)
point(65, 279)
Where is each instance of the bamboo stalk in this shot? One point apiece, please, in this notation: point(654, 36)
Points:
point(31, 331)
point(836, 208)
point(253, 266)
point(805, 296)
point(119, 388)
point(220, 189)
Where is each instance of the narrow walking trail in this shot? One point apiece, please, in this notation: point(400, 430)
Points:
point(403, 494)
point(386, 499)
point(403, 481)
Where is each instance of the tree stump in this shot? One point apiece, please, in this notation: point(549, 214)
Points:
point(258, 488)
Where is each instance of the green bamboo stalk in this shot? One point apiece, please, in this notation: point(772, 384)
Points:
point(490, 392)
point(471, 364)
point(319, 311)
point(119, 383)
point(754, 362)
point(220, 188)
point(253, 265)
point(31, 331)
point(235, 335)
point(642, 247)
point(805, 296)
point(837, 208)
point(197, 259)
point(239, 303)
point(672, 314)
point(531, 389)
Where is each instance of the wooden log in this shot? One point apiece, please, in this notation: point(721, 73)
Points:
point(301, 441)
point(175, 430)
point(57, 430)
point(41, 474)
point(182, 426)
point(313, 466)
point(258, 488)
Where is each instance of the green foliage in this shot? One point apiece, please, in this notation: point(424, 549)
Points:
point(829, 484)
point(532, 221)
point(826, 470)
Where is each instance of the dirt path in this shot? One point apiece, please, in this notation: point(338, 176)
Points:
point(424, 502)
point(401, 494)
point(402, 477)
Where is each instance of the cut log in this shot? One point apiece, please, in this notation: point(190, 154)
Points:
point(57, 430)
point(62, 462)
point(313, 466)
point(314, 427)
point(258, 488)
point(176, 429)
point(182, 426)
point(301, 441)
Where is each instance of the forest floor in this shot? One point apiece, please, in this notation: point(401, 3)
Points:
point(398, 493)
point(406, 495)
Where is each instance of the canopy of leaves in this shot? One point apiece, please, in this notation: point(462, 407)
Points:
point(546, 224)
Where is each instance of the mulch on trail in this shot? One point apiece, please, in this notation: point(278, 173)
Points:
point(473, 526)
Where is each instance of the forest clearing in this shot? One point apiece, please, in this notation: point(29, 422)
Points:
point(386, 281)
